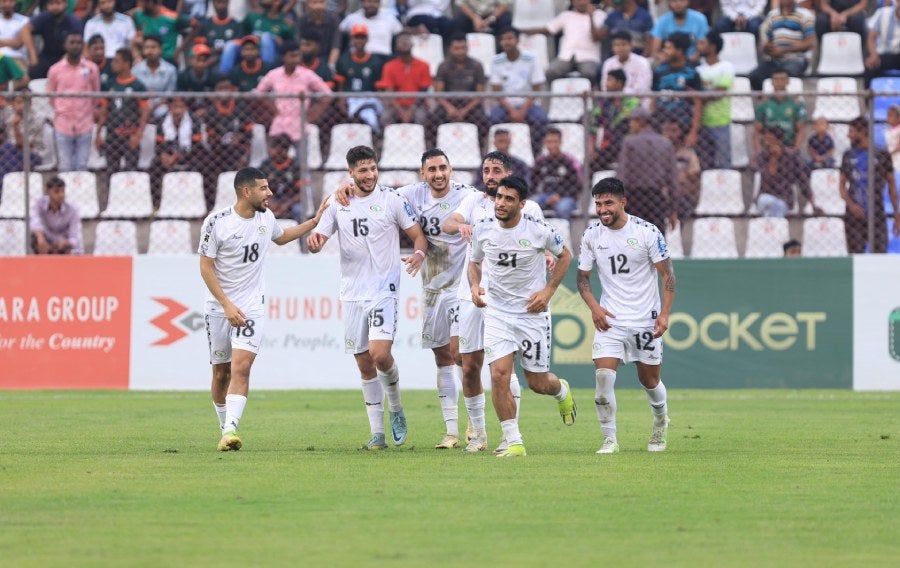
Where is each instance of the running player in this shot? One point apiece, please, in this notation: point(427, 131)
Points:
point(369, 230)
point(233, 244)
point(628, 252)
point(517, 320)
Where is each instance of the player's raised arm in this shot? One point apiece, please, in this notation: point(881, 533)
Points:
point(297, 231)
point(456, 223)
point(420, 245)
point(208, 272)
point(667, 271)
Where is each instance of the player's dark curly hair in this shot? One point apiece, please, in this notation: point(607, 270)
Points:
point(516, 183)
point(611, 185)
point(357, 154)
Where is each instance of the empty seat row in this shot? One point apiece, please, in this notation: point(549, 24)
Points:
point(840, 53)
point(714, 237)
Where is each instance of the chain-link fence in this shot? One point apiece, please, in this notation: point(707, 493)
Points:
point(735, 182)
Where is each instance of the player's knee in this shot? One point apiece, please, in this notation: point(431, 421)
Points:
point(383, 361)
point(606, 379)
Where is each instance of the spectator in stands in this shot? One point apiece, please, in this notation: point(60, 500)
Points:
point(854, 182)
point(195, 9)
point(785, 36)
point(579, 46)
point(780, 169)
point(682, 19)
point(12, 156)
point(124, 118)
point(840, 15)
point(96, 52)
point(883, 41)
point(311, 57)
point(676, 75)
point(483, 16)
point(73, 118)
point(648, 169)
point(428, 16)
point(381, 27)
point(199, 76)
point(405, 74)
point(820, 146)
point(783, 111)
point(229, 127)
point(156, 74)
point(283, 175)
point(716, 75)
point(179, 146)
point(116, 29)
point(502, 142)
point(316, 18)
point(12, 77)
point(792, 248)
point(741, 16)
point(219, 30)
point(637, 69)
point(52, 27)
point(251, 69)
point(156, 20)
point(892, 136)
point(609, 120)
point(291, 78)
point(557, 177)
point(628, 16)
point(688, 165)
point(357, 72)
point(459, 73)
point(55, 224)
point(516, 71)
point(15, 35)
point(272, 28)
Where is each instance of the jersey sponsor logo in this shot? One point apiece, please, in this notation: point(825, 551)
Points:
point(235, 236)
point(166, 321)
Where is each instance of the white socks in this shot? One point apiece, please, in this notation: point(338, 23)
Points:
point(373, 394)
point(563, 391)
point(234, 408)
point(448, 394)
point(475, 408)
point(657, 399)
point(511, 431)
point(391, 382)
point(516, 389)
point(220, 412)
point(605, 401)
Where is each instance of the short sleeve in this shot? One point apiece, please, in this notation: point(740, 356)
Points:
point(556, 25)
point(477, 245)
point(327, 225)
point(209, 244)
point(656, 244)
point(277, 230)
point(553, 242)
point(466, 207)
point(586, 255)
point(403, 213)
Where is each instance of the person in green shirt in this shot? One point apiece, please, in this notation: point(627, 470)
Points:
point(782, 111)
point(220, 30)
point(358, 71)
point(11, 72)
point(271, 27)
point(714, 144)
point(247, 74)
point(155, 19)
point(124, 118)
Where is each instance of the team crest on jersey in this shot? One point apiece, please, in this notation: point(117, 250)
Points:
point(350, 343)
point(375, 208)
point(524, 243)
point(219, 354)
point(444, 205)
point(632, 243)
point(488, 350)
point(596, 347)
point(463, 341)
point(262, 229)
point(427, 336)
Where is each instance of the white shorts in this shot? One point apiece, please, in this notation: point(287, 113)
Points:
point(527, 335)
point(367, 320)
point(628, 345)
point(471, 327)
point(440, 320)
point(223, 337)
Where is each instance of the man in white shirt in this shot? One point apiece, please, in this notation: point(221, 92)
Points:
point(628, 252)
point(494, 167)
point(15, 35)
point(515, 71)
point(517, 318)
point(233, 245)
point(369, 229)
point(157, 74)
point(382, 26)
point(579, 46)
point(117, 30)
point(638, 72)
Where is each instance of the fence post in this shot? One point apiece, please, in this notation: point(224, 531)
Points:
point(870, 180)
point(26, 166)
point(588, 105)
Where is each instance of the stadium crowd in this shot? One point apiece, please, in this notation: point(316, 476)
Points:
point(624, 48)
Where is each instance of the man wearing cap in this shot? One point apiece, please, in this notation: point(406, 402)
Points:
point(381, 27)
point(652, 188)
point(219, 30)
point(198, 77)
point(271, 27)
point(251, 69)
point(358, 71)
point(73, 118)
point(291, 78)
point(55, 224)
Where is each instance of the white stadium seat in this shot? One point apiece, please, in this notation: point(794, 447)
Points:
point(258, 151)
point(520, 140)
point(147, 150)
point(182, 195)
point(528, 14)
point(536, 44)
point(742, 107)
point(482, 48)
point(170, 237)
point(313, 147)
point(568, 108)
point(740, 49)
point(292, 247)
point(740, 151)
point(225, 195)
point(795, 85)
point(838, 108)
point(332, 180)
point(720, 193)
point(344, 137)
point(766, 237)
point(459, 140)
point(12, 237)
point(116, 238)
point(129, 196)
point(826, 189)
point(824, 236)
point(403, 147)
point(840, 133)
point(399, 178)
point(462, 176)
point(841, 54)
point(563, 228)
point(81, 190)
point(12, 201)
point(572, 139)
point(675, 242)
point(713, 237)
point(429, 48)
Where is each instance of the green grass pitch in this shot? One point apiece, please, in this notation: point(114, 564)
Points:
point(751, 478)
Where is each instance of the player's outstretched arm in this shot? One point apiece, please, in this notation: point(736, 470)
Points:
point(540, 301)
point(667, 271)
point(293, 233)
point(475, 281)
point(598, 312)
point(207, 271)
point(456, 223)
point(420, 245)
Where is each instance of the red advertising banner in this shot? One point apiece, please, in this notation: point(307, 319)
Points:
point(65, 322)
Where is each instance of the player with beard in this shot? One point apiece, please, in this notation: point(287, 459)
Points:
point(369, 229)
point(233, 245)
point(629, 252)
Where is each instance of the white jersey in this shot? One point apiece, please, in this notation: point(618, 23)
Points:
point(625, 261)
point(514, 260)
point(116, 33)
point(238, 246)
point(10, 29)
point(369, 232)
point(473, 209)
point(445, 259)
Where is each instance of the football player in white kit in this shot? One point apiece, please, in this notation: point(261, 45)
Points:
point(517, 318)
point(433, 201)
point(369, 236)
point(233, 246)
point(494, 167)
point(628, 252)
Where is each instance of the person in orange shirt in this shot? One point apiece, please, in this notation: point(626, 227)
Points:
point(405, 74)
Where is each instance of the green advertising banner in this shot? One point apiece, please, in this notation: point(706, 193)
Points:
point(779, 323)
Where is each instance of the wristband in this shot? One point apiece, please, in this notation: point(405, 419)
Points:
point(420, 253)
